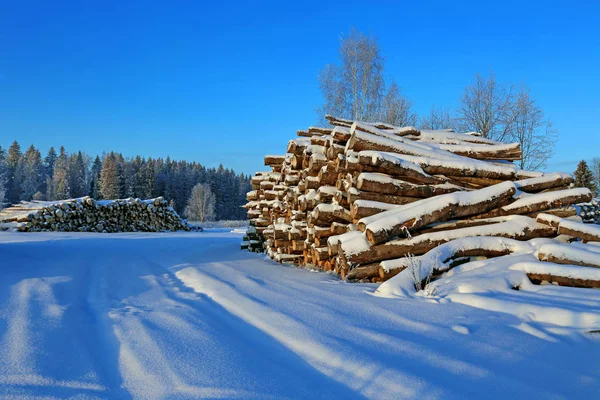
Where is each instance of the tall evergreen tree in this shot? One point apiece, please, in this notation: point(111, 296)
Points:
point(14, 172)
point(110, 179)
point(94, 189)
point(584, 176)
point(60, 179)
point(33, 178)
point(50, 161)
point(77, 176)
point(2, 176)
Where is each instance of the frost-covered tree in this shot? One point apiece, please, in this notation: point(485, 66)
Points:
point(33, 173)
point(77, 175)
point(486, 107)
point(500, 112)
point(94, 189)
point(201, 204)
point(356, 89)
point(2, 177)
point(396, 109)
point(532, 131)
point(60, 179)
point(110, 177)
point(584, 177)
point(14, 173)
point(596, 173)
point(50, 161)
point(438, 118)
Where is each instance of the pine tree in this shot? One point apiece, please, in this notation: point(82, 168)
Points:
point(584, 177)
point(2, 177)
point(110, 179)
point(95, 178)
point(77, 173)
point(14, 171)
point(60, 179)
point(50, 161)
point(32, 173)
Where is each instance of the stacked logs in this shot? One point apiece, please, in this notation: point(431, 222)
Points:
point(348, 197)
point(590, 212)
point(88, 215)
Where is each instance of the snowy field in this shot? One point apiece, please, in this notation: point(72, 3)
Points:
point(189, 315)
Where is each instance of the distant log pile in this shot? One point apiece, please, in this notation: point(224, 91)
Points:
point(88, 215)
point(350, 197)
point(590, 212)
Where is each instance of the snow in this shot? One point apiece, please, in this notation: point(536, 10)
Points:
point(189, 315)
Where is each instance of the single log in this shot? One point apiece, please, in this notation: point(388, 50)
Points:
point(274, 160)
point(545, 182)
point(541, 202)
point(363, 272)
point(325, 214)
point(585, 232)
point(381, 183)
point(537, 278)
point(414, 216)
point(396, 167)
point(568, 254)
point(366, 208)
point(354, 194)
point(317, 130)
point(510, 151)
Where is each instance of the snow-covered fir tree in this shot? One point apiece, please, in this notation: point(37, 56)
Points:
point(60, 179)
point(584, 176)
point(33, 173)
point(14, 173)
point(77, 175)
point(110, 177)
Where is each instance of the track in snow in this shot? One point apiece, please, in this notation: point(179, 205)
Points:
point(190, 316)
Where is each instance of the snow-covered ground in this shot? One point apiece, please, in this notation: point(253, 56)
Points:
point(189, 315)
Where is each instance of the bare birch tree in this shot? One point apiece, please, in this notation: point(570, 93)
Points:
point(396, 109)
point(438, 118)
point(201, 204)
point(356, 89)
point(532, 131)
point(485, 107)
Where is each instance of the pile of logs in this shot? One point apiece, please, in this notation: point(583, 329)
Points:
point(88, 215)
point(348, 197)
point(590, 212)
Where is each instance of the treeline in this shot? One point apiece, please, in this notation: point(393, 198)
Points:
point(61, 175)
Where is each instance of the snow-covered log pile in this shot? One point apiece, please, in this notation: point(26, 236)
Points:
point(590, 212)
point(358, 196)
point(88, 215)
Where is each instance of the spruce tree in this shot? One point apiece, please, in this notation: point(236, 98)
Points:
point(110, 179)
point(61, 176)
point(95, 178)
point(50, 161)
point(584, 177)
point(32, 173)
point(77, 173)
point(14, 171)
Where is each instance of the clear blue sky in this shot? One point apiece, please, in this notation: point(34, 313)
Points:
point(228, 82)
